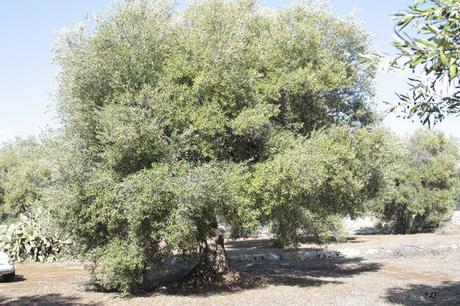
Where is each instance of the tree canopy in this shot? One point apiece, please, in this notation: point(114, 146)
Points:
point(423, 186)
point(149, 83)
point(23, 175)
point(176, 120)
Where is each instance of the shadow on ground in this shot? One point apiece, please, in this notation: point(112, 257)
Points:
point(354, 240)
point(43, 300)
point(447, 293)
point(309, 273)
point(17, 278)
point(249, 244)
point(369, 231)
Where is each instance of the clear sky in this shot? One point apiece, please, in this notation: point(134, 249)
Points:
point(27, 75)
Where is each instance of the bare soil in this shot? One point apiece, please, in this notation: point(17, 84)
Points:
point(431, 280)
point(358, 242)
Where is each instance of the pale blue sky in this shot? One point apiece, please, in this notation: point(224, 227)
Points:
point(27, 78)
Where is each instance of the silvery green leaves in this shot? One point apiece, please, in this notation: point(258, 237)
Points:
point(170, 110)
point(332, 173)
point(424, 184)
point(429, 45)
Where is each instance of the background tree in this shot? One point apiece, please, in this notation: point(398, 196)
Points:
point(170, 115)
point(27, 230)
point(429, 45)
point(24, 173)
point(423, 190)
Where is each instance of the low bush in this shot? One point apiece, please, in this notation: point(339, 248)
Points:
point(422, 192)
point(308, 227)
point(120, 266)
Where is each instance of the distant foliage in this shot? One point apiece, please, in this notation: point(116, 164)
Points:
point(26, 240)
point(422, 192)
point(24, 173)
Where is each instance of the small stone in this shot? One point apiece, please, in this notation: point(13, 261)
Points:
point(350, 253)
point(273, 256)
point(234, 258)
point(372, 252)
point(259, 257)
point(173, 260)
point(246, 257)
point(306, 255)
point(331, 254)
point(287, 256)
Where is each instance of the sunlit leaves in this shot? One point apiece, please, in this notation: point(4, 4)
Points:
point(429, 45)
point(424, 181)
point(332, 173)
point(169, 111)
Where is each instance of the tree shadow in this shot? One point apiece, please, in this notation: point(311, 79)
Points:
point(44, 300)
point(249, 244)
point(369, 230)
point(353, 239)
point(257, 275)
point(447, 293)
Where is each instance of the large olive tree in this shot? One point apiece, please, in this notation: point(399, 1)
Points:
point(177, 119)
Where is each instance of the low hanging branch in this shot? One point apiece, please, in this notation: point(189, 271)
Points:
point(433, 55)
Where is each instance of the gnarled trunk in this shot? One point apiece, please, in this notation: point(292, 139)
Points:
point(213, 263)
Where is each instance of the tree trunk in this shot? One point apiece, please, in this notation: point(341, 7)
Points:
point(213, 264)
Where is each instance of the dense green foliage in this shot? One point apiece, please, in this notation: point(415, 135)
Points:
point(424, 180)
point(333, 173)
point(431, 49)
point(119, 267)
point(23, 175)
point(176, 120)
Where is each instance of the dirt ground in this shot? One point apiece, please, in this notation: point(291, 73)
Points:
point(431, 280)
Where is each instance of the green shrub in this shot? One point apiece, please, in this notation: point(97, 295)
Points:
point(120, 266)
point(323, 230)
point(25, 240)
point(24, 172)
point(422, 192)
